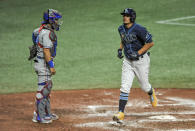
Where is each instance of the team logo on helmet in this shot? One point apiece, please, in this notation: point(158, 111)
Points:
point(126, 11)
point(131, 13)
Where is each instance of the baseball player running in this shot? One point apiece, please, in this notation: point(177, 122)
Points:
point(46, 40)
point(136, 41)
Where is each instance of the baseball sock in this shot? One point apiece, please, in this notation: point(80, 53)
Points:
point(123, 101)
point(150, 92)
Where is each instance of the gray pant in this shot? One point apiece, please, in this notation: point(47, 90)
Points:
point(44, 88)
point(140, 69)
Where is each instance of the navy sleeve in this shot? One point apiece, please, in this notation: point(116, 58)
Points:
point(35, 35)
point(144, 35)
point(34, 38)
point(119, 30)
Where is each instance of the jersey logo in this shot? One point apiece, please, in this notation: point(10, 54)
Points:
point(148, 36)
point(129, 38)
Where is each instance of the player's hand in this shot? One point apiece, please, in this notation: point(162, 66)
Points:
point(120, 54)
point(53, 71)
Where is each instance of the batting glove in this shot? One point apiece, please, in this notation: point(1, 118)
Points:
point(120, 54)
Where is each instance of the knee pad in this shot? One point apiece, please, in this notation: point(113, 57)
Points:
point(44, 90)
point(39, 96)
point(47, 89)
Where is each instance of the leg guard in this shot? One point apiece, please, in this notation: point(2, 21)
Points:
point(48, 108)
point(40, 108)
point(42, 99)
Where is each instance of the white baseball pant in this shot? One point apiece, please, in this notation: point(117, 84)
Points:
point(140, 69)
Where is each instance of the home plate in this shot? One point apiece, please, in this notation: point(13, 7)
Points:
point(163, 117)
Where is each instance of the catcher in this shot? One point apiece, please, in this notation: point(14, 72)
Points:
point(43, 52)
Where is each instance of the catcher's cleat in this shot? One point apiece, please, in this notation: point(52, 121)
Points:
point(153, 99)
point(35, 117)
point(54, 116)
point(119, 117)
point(44, 120)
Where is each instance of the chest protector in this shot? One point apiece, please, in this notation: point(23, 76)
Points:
point(52, 37)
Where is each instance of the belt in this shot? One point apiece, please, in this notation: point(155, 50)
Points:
point(148, 53)
point(142, 56)
point(40, 57)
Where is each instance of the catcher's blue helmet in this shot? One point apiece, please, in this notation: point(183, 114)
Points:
point(131, 13)
point(50, 17)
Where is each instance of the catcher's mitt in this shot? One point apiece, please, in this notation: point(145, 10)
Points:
point(33, 51)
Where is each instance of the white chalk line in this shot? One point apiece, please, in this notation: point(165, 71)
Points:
point(163, 117)
point(159, 94)
point(168, 120)
point(99, 124)
point(181, 101)
point(183, 130)
point(111, 113)
point(156, 116)
point(109, 125)
point(107, 93)
point(173, 21)
point(134, 103)
point(141, 103)
point(176, 19)
point(132, 123)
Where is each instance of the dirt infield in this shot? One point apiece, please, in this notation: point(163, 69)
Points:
point(89, 110)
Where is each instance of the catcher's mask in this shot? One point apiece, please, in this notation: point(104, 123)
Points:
point(52, 17)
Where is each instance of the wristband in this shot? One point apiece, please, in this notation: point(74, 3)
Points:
point(51, 64)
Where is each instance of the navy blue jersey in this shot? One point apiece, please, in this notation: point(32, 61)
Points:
point(134, 38)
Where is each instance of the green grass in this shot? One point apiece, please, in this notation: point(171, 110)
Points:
point(188, 21)
point(88, 40)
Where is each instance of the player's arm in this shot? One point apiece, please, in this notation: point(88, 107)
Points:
point(145, 48)
point(121, 45)
point(48, 59)
point(119, 51)
point(146, 37)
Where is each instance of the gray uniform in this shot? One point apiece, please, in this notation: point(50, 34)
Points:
point(46, 39)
